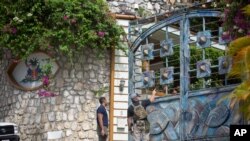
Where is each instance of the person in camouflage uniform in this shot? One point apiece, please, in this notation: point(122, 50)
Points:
point(137, 117)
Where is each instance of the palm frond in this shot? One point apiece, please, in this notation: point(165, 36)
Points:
point(242, 95)
point(241, 64)
point(236, 45)
point(246, 10)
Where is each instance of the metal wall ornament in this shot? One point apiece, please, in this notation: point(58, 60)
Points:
point(203, 68)
point(147, 51)
point(166, 48)
point(203, 39)
point(225, 64)
point(224, 36)
point(148, 79)
point(136, 30)
point(166, 75)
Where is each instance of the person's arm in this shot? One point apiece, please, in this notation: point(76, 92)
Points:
point(130, 118)
point(100, 121)
point(130, 121)
point(152, 97)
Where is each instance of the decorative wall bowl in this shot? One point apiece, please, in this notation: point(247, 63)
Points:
point(27, 74)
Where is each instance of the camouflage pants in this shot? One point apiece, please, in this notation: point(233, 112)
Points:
point(139, 135)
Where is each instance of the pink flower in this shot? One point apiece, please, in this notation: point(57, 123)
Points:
point(65, 17)
point(225, 35)
point(100, 33)
point(73, 21)
point(13, 30)
point(41, 92)
point(45, 81)
point(240, 20)
point(44, 93)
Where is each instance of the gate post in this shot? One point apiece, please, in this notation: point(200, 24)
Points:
point(184, 73)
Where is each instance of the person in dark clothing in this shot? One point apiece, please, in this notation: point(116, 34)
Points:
point(102, 120)
point(137, 117)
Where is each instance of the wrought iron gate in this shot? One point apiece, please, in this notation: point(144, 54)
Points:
point(184, 56)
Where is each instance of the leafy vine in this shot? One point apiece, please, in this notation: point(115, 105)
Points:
point(65, 26)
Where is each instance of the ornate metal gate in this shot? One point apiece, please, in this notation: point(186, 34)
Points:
point(183, 55)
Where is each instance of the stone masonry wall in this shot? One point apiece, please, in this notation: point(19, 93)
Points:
point(149, 6)
point(73, 112)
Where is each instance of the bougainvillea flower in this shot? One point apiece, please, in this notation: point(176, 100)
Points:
point(65, 17)
point(45, 80)
point(226, 35)
point(73, 21)
point(100, 33)
point(45, 93)
point(14, 30)
point(240, 20)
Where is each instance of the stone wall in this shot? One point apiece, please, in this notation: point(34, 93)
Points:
point(73, 111)
point(145, 8)
point(130, 6)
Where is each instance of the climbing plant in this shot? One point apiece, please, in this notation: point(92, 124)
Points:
point(239, 50)
point(233, 19)
point(66, 26)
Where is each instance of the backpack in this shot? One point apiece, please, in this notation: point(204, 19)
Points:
point(140, 112)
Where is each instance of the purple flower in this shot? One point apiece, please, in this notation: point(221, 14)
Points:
point(41, 92)
point(100, 33)
point(225, 35)
point(240, 20)
point(13, 30)
point(45, 80)
point(65, 17)
point(73, 21)
point(44, 93)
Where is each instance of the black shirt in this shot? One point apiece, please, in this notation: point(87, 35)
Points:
point(144, 103)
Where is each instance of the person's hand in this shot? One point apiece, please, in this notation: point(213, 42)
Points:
point(154, 92)
point(102, 132)
point(131, 131)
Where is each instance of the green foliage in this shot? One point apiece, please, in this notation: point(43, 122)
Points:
point(234, 20)
point(101, 91)
point(196, 55)
point(143, 12)
point(47, 68)
point(66, 26)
